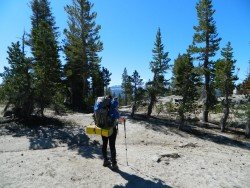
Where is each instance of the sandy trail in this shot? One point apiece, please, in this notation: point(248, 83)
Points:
point(158, 156)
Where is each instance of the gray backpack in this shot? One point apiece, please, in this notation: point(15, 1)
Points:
point(101, 113)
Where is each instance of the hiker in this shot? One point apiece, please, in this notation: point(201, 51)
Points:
point(113, 116)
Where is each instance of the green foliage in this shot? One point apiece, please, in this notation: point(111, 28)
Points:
point(81, 48)
point(159, 108)
point(224, 79)
point(224, 69)
point(205, 40)
point(126, 87)
point(97, 85)
point(106, 80)
point(16, 89)
point(218, 108)
point(136, 83)
point(171, 107)
point(158, 66)
point(204, 46)
point(2, 95)
point(247, 112)
point(58, 103)
point(245, 85)
point(138, 93)
point(185, 81)
point(121, 100)
point(108, 91)
point(242, 111)
point(45, 49)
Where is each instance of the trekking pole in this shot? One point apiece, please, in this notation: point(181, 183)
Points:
point(125, 141)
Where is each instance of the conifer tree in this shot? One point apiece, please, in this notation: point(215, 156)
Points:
point(205, 44)
point(108, 91)
point(106, 80)
point(17, 81)
point(224, 80)
point(245, 86)
point(81, 47)
point(96, 74)
point(126, 86)
point(137, 90)
point(45, 49)
point(158, 66)
point(185, 81)
point(120, 99)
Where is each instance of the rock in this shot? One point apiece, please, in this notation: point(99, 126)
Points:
point(167, 156)
point(189, 145)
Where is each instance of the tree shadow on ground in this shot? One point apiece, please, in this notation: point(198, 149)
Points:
point(165, 125)
point(48, 132)
point(213, 137)
point(136, 181)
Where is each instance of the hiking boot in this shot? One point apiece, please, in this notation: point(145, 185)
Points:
point(106, 163)
point(114, 166)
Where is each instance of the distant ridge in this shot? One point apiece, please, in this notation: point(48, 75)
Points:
point(116, 89)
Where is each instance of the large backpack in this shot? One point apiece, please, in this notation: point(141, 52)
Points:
point(101, 113)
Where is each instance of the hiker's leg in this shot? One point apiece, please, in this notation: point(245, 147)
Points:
point(112, 139)
point(104, 147)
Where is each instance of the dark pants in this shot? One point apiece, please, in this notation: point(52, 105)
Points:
point(111, 139)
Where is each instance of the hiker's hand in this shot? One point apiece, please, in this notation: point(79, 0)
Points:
point(121, 120)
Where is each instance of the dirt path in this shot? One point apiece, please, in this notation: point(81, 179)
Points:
point(56, 155)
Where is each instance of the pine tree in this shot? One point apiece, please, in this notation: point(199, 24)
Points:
point(94, 61)
point(158, 66)
point(138, 92)
point(106, 80)
point(224, 79)
point(126, 86)
point(108, 91)
point(120, 99)
point(17, 80)
point(45, 49)
point(247, 130)
point(245, 86)
point(97, 85)
point(81, 47)
point(185, 81)
point(205, 44)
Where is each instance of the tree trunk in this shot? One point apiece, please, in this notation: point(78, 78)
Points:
point(151, 105)
point(225, 113)
point(207, 80)
point(6, 107)
point(42, 110)
point(247, 132)
point(223, 120)
point(133, 110)
point(85, 92)
point(206, 102)
point(182, 119)
point(126, 99)
point(77, 96)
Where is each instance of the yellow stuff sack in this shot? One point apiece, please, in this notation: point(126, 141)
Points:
point(93, 129)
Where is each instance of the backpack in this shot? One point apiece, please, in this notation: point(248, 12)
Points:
point(101, 113)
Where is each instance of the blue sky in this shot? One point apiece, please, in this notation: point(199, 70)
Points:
point(129, 28)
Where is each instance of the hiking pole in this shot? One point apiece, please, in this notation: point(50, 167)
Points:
point(125, 140)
